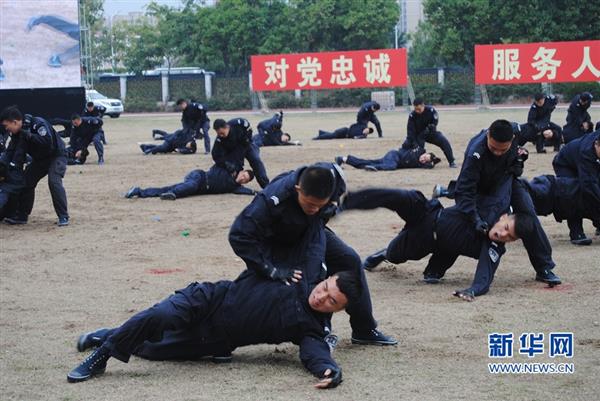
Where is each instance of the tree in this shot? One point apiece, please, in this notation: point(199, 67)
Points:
point(453, 27)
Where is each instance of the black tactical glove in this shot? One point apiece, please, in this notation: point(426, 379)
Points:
point(328, 211)
point(280, 274)
point(482, 226)
point(335, 376)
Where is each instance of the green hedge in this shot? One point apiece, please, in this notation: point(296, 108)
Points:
point(187, 88)
point(141, 105)
point(569, 90)
point(111, 89)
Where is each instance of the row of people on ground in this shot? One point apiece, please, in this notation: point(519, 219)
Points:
point(275, 231)
point(290, 253)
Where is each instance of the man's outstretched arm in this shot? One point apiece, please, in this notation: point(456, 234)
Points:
point(315, 355)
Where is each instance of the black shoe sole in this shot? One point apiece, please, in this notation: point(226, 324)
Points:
point(581, 242)
point(222, 359)
point(372, 342)
point(82, 379)
point(553, 282)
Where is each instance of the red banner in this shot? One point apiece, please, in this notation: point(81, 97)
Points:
point(538, 62)
point(329, 70)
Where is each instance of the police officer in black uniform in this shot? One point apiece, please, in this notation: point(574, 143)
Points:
point(580, 159)
point(280, 217)
point(270, 133)
point(539, 129)
point(85, 131)
point(97, 111)
point(233, 145)
point(194, 117)
point(12, 178)
point(355, 131)
point(579, 121)
point(491, 157)
point(422, 127)
point(42, 143)
point(393, 160)
point(84, 127)
point(181, 141)
point(443, 233)
point(199, 182)
point(213, 319)
point(563, 197)
point(366, 115)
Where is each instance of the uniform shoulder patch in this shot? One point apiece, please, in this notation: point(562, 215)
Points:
point(275, 200)
point(494, 256)
point(476, 155)
point(42, 131)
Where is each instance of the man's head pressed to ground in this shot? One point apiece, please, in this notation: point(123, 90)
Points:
point(333, 294)
point(511, 227)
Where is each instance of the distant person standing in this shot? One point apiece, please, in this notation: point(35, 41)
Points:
point(422, 127)
point(539, 129)
point(366, 115)
point(579, 121)
point(194, 117)
point(92, 110)
point(38, 139)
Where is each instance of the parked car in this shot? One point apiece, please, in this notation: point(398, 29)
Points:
point(114, 107)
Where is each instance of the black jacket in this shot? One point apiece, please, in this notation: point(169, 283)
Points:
point(366, 115)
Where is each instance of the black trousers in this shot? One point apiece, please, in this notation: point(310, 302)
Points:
point(438, 139)
point(55, 168)
point(534, 136)
point(575, 224)
point(179, 315)
point(193, 183)
point(341, 257)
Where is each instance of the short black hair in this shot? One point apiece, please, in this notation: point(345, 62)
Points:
point(524, 224)
point(371, 130)
point(586, 96)
point(75, 116)
point(193, 145)
point(11, 113)
point(179, 101)
point(219, 123)
point(501, 131)
point(539, 96)
point(434, 159)
point(251, 174)
point(349, 283)
point(317, 181)
point(376, 106)
point(288, 135)
point(90, 104)
point(418, 101)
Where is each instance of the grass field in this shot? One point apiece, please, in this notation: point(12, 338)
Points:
point(119, 256)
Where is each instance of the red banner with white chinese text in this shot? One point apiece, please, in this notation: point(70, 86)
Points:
point(538, 62)
point(329, 70)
